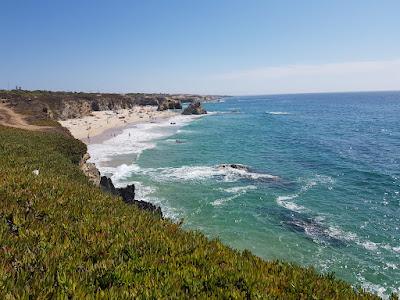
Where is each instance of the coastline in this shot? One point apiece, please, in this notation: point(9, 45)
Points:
point(111, 240)
point(113, 151)
point(101, 125)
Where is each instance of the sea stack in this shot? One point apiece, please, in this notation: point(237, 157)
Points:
point(194, 108)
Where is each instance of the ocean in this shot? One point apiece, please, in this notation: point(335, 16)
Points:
point(319, 185)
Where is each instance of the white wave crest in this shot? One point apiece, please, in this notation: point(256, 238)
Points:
point(240, 189)
point(199, 173)
point(277, 113)
point(222, 201)
point(121, 172)
point(146, 193)
point(286, 201)
point(237, 191)
point(134, 140)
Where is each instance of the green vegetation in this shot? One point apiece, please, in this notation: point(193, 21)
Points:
point(63, 238)
point(46, 122)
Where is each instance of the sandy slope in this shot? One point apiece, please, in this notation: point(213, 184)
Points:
point(10, 118)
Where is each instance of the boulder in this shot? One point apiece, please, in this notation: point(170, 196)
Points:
point(194, 108)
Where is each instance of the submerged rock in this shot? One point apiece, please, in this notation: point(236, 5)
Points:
point(234, 166)
point(246, 172)
point(128, 195)
point(194, 108)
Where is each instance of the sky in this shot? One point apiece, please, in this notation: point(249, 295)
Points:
point(226, 47)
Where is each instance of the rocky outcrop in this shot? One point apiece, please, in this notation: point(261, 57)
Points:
point(107, 186)
point(90, 170)
point(167, 103)
point(194, 108)
point(128, 195)
point(234, 166)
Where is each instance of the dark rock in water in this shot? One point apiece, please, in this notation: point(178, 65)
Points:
point(311, 229)
point(194, 108)
point(165, 104)
point(128, 195)
point(234, 166)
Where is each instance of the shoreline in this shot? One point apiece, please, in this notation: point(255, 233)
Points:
point(101, 125)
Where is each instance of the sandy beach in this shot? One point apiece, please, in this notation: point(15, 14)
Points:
point(89, 127)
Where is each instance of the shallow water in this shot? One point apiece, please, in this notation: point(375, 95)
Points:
point(322, 186)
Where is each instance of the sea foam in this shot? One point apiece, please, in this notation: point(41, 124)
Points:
point(277, 113)
point(132, 142)
point(199, 173)
point(237, 191)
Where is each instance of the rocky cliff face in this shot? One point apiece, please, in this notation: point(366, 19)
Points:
point(42, 105)
point(90, 170)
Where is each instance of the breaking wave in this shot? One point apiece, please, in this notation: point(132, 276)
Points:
point(277, 113)
point(198, 173)
point(134, 140)
point(286, 201)
point(237, 191)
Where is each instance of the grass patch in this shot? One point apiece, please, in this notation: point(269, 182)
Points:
point(63, 238)
point(45, 122)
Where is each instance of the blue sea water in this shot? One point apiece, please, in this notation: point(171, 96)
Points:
point(322, 186)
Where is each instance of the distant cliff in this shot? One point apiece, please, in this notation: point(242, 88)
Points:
point(42, 105)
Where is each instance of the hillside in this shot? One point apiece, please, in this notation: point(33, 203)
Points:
point(62, 237)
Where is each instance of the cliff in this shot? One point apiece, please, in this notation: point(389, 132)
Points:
point(45, 105)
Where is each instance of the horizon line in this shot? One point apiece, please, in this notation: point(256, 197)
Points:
point(202, 94)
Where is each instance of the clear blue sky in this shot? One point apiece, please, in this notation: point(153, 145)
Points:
point(207, 46)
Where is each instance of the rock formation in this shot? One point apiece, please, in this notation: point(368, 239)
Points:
point(167, 103)
point(90, 170)
point(194, 108)
point(128, 195)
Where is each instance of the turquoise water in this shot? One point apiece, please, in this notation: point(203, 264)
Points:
point(322, 187)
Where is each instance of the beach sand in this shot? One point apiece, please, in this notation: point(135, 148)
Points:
point(93, 127)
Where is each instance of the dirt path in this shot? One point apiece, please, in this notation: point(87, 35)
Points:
point(10, 118)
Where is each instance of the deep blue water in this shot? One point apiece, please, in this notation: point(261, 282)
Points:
point(334, 203)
